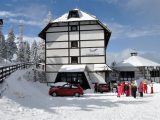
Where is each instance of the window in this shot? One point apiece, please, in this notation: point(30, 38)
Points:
point(73, 14)
point(74, 28)
point(74, 44)
point(155, 73)
point(127, 74)
point(74, 60)
point(74, 87)
point(67, 86)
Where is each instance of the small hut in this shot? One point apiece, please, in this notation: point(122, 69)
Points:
point(136, 67)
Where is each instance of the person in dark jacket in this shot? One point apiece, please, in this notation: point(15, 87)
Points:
point(95, 87)
point(134, 90)
point(127, 89)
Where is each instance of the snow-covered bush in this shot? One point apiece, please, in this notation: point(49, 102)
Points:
point(35, 75)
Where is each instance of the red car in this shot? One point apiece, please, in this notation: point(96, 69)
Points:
point(66, 90)
point(103, 88)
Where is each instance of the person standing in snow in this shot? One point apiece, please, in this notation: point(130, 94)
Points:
point(145, 87)
point(122, 88)
point(140, 89)
point(151, 87)
point(134, 90)
point(129, 84)
point(127, 89)
point(95, 87)
point(119, 90)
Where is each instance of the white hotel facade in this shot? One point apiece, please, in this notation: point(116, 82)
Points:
point(75, 47)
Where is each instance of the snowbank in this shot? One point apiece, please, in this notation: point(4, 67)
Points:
point(28, 100)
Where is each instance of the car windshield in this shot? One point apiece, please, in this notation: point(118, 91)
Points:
point(73, 86)
point(67, 86)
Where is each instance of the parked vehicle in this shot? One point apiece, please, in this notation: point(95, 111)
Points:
point(66, 90)
point(103, 88)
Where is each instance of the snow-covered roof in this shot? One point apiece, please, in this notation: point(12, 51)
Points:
point(136, 61)
point(77, 16)
point(82, 17)
point(72, 68)
point(101, 67)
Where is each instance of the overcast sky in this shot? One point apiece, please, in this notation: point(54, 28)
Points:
point(135, 24)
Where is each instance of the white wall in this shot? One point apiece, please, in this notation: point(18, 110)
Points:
point(57, 45)
point(90, 27)
point(92, 51)
point(53, 68)
point(100, 59)
point(55, 29)
point(57, 36)
point(92, 43)
point(89, 35)
point(62, 60)
point(74, 52)
point(74, 36)
point(57, 52)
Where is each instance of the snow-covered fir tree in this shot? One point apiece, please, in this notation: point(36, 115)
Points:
point(2, 45)
point(10, 45)
point(33, 56)
point(41, 51)
point(20, 52)
point(26, 51)
point(48, 18)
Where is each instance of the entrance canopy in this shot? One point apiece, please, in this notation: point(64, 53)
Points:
point(72, 68)
point(101, 67)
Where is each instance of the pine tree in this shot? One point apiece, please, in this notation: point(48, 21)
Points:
point(26, 52)
point(33, 56)
point(11, 45)
point(20, 52)
point(2, 46)
point(41, 51)
point(48, 18)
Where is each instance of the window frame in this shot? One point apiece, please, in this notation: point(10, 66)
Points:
point(74, 60)
point(72, 28)
point(74, 44)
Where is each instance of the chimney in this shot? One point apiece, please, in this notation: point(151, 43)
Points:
point(134, 54)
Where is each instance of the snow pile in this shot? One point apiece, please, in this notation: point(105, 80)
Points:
point(24, 91)
point(28, 100)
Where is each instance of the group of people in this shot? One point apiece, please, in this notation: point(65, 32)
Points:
point(130, 89)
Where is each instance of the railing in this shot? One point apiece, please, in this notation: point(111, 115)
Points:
point(7, 70)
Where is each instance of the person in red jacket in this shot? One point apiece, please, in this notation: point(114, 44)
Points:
point(129, 88)
point(140, 89)
point(122, 88)
point(145, 87)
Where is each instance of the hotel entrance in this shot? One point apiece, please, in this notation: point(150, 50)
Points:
point(73, 78)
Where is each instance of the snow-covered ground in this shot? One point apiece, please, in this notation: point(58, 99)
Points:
point(27, 100)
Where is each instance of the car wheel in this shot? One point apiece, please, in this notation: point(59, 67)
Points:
point(77, 95)
point(54, 94)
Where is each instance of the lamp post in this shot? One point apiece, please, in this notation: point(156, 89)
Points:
point(1, 24)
